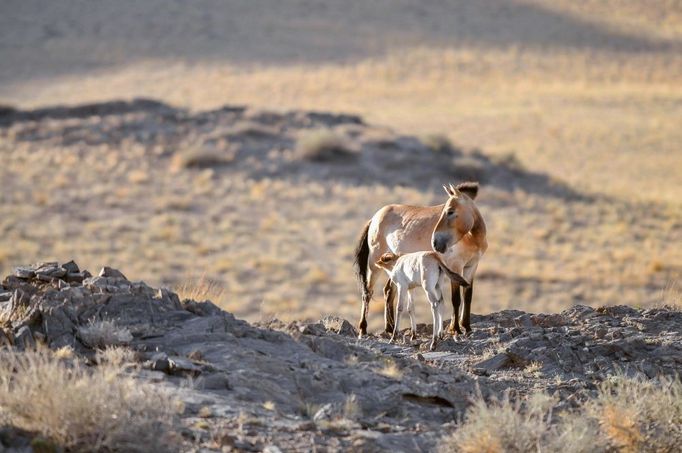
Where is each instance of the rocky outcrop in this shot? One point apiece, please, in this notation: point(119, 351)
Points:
point(299, 386)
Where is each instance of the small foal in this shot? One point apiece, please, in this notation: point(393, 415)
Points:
point(423, 269)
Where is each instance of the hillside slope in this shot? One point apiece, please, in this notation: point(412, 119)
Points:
point(314, 385)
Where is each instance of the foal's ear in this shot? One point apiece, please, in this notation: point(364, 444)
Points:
point(469, 188)
point(387, 258)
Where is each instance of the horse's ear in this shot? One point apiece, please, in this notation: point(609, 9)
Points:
point(451, 190)
point(469, 188)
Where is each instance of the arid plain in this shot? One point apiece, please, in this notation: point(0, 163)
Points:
point(568, 113)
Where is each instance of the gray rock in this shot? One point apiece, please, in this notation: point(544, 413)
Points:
point(339, 326)
point(71, 267)
point(107, 271)
point(24, 340)
point(24, 272)
point(494, 363)
point(313, 329)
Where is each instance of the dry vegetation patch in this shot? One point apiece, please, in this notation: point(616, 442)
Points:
point(627, 414)
point(81, 408)
point(323, 145)
point(101, 334)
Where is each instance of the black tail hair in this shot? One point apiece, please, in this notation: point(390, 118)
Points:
point(361, 258)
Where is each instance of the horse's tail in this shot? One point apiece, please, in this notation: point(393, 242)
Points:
point(361, 258)
point(454, 276)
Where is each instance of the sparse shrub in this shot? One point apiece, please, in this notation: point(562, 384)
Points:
point(510, 161)
point(200, 158)
point(83, 409)
point(640, 415)
point(469, 168)
point(628, 415)
point(101, 334)
point(200, 290)
point(515, 427)
point(323, 145)
point(439, 143)
point(252, 129)
point(116, 356)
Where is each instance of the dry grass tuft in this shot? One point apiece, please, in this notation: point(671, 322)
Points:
point(65, 352)
point(391, 370)
point(640, 415)
point(514, 427)
point(200, 290)
point(351, 408)
point(83, 409)
point(101, 334)
point(116, 356)
point(628, 414)
point(323, 145)
point(672, 296)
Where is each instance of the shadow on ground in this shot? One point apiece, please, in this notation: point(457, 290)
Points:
point(263, 144)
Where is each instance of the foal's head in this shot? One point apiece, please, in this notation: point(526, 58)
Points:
point(458, 216)
point(387, 260)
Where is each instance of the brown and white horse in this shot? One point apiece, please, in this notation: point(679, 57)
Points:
point(455, 229)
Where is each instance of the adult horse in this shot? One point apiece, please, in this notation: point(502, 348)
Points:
point(455, 229)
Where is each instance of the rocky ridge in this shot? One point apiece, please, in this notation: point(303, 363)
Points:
point(306, 385)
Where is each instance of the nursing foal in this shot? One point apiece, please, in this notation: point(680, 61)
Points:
point(455, 229)
point(424, 269)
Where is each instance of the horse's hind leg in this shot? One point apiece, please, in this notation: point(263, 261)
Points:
point(466, 316)
point(367, 292)
point(389, 309)
point(456, 301)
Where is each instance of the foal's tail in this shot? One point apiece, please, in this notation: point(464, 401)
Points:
point(454, 276)
point(361, 259)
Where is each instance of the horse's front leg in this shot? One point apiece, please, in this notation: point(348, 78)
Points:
point(389, 309)
point(466, 316)
point(456, 301)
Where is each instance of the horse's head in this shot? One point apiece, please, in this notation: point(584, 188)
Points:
point(458, 216)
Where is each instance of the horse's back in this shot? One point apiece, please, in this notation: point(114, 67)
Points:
point(403, 228)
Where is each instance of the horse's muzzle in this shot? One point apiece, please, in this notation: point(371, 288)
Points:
point(439, 243)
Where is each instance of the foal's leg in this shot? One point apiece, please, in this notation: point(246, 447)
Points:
point(433, 301)
point(413, 320)
point(389, 309)
point(468, 295)
point(456, 301)
point(399, 309)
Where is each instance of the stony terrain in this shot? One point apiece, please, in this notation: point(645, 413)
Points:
point(305, 386)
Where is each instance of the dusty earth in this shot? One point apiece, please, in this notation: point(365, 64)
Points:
point(305, 386)
point(268, 206)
